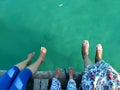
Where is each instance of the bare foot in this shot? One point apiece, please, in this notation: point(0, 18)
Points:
point(85, 48)
point(71, 72)
point(98, 55)
point(58, 73)
point(30, 56)
point(43, 51)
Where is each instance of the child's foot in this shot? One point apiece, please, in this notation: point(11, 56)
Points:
point(30, 56)
point(98, 55)
point(85, 48)
point(58, 73)
point(43, 51)
point(71, 72)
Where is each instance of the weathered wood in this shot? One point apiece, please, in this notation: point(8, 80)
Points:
point(2, 72)
point(44, 74)
point(40, 84)
point(37, 84)
point(44, 84)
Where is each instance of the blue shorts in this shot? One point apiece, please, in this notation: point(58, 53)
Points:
point(13, 79)
point(7, 79)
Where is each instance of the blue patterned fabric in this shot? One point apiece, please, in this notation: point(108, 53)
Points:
point(100, 76)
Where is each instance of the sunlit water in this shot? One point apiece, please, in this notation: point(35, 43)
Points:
point(60, 26)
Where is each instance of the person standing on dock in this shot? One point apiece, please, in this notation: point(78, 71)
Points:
point(98, 76)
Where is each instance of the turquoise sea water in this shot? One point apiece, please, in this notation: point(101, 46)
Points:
point(60, 26)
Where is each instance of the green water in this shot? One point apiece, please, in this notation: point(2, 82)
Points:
point(60, 26)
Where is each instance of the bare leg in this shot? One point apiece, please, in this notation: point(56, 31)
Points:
point(26, 62)
point(34, 67)
point(71, 73)
point(71, 83)
point(58, 73)
point(56, 85)
point(98, 55)
point(85, 52)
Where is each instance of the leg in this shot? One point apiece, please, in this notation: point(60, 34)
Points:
point(7, 79)
point(85, 52)
point(71, 83)
point(98, 55)
point(26, 62)
point(34, 67)
point(56, 85)
point(21, 80)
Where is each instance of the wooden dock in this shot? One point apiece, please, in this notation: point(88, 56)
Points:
point(42, 80)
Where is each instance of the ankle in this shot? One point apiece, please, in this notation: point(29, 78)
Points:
point(71, 76)
point(57, 76)
point(85, 57)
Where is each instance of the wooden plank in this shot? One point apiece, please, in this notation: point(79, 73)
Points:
point(2, 72)
point(44, 74)
point(44, 84)
point(37, 84)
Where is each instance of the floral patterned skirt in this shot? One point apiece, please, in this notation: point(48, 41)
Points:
point(100, 76)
